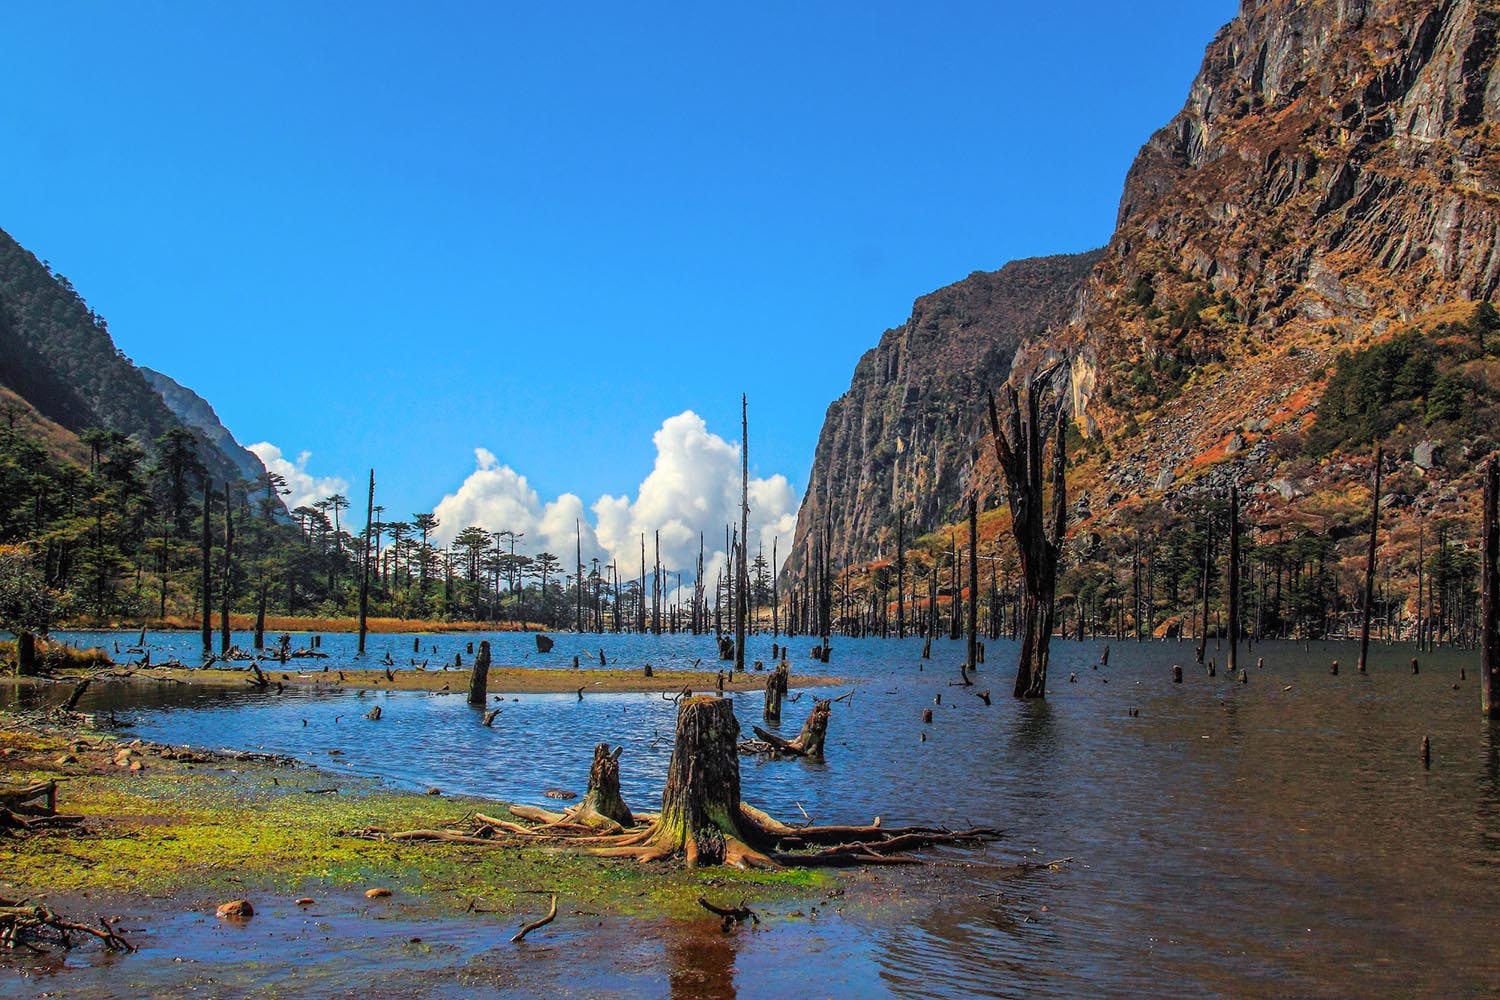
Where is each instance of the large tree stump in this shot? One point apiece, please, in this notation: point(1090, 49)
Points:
point(701, 815)
point(776, 687)
point(479, 677)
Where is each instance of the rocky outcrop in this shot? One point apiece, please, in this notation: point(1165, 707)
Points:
point(1332, 175)
point(904, 435)
point(195, 411)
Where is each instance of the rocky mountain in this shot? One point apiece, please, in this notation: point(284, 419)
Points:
point(903, 437)
point(57, 356)
point(1332, 177)
point(195, 412)
point(1331, 183)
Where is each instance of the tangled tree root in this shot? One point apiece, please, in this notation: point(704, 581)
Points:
point(702, 821)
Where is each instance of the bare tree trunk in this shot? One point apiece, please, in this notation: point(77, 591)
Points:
point(224, 636)
point(208, 595)
point(479, 677)
point(1020, 457)
point(971, 654)
point(1233, 596)
point(1208, 561)
point(901, 576)
point(26, 662)
point(1489, 628)
point(364, 577)
point(1364, 623)
point(776, 687)
point(742, 577)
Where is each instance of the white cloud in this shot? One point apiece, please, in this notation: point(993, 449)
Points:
point(305, 487)
point(693, 487)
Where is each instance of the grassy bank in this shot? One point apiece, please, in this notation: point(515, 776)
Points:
point(201, 828)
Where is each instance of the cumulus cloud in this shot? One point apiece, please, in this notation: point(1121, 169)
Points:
point(693, 487)
point(305, 486)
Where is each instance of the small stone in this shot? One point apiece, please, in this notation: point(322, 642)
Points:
point(305, 901)
point(377, 893)
point(235, 909)
point(67, 758)
point(433, 791)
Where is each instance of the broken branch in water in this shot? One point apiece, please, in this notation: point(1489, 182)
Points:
point(533, 925)
point(23, 926)
point(731, 915)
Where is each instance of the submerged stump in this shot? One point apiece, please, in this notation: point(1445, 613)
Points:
point(479, 677)
point(777, 683)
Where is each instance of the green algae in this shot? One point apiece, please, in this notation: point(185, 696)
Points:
point(227, 828)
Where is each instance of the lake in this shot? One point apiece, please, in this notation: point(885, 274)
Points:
point(1274, 838)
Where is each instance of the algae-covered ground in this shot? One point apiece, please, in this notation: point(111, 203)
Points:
point(196, 827)
point(169, 834)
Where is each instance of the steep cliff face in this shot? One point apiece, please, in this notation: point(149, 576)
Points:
point(1332, 178)
point(56, 354)
point(195, 411)
point(1332, 174)
point(904, 435)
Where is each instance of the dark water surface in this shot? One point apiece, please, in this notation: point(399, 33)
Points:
point(1276, 838)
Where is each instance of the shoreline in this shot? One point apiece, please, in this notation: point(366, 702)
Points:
point(502, 680)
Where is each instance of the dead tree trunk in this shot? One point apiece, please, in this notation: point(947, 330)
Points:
point(207, 582)
point(1208, 557)
point(364, 576)
point(228, 581)
point(1364, 621)
point(809, 742)
point(603, 803)
point(776, 688)
point(1233, 596)
point(971, 654)
point(701, 815)
point(1019, 451)
point(26, 662)
point(479, 677)
point(1489, 628)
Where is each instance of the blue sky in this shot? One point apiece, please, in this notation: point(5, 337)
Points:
point(391, 234)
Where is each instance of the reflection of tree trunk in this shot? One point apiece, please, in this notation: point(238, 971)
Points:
point(1233, 595)
point(26, 664)
point(1019, 450)
point(701, 962)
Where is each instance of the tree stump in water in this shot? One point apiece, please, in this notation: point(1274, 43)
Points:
point(479, 677)
point(809, 742)
point(700, 807)
point(776, 688)
point(543, 643)
point(603, 800)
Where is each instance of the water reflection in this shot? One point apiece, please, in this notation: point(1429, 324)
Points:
point(1272, 838)
point(700, 961)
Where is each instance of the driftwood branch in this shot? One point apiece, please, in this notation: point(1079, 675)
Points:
point(731, 915)
point(542, 922)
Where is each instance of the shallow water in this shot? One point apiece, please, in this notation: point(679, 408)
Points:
point(1232, 840)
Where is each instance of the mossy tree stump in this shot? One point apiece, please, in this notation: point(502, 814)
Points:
point(701, 816)
point(777, 683)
